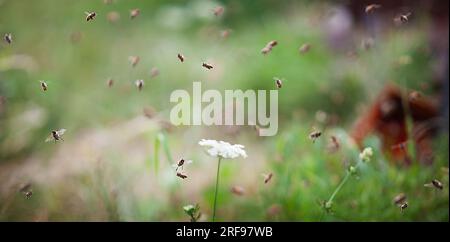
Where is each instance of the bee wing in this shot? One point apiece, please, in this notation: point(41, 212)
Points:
point(61, 132)
point(430, 185)
point(175, 166)
point(49, 138)
point(188, 162)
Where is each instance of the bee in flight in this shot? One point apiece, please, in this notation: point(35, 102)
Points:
point(207, 66)
point(315, 135)
point(90, 16)
point(436, 184)
point(139, 84)
point(403, 206)
point(110, 82)
point(8, 38)
point(180, 164)
point(25, 189)
point(402, 18)
point(218, 11)
point(278, 82)
point(269, 46)
point(44, 85)
point(56, 135)
point(181, 57)
point(304, 48)
point(267, 177)
point(181, 175)
point(134, 13)
point(371, 8)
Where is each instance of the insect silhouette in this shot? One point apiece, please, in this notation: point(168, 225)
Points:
point(180, 57)
point(207, 66)
point(139, 84)
point(134, 13)
point(267, 177)
point(56, 135)
point(436, 184)
point(181, 163)
point(371, 8)
point(8, 38)
point(44, 85)
point(90, 16)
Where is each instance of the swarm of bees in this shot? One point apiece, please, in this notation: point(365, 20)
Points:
point(26, 190)
point(371, 8)
point(435, 184)
point(304, 48)
point(218, 11)
point(268, 48)
point(134, 13)
point(238, 190)
point(44, 85)
point(207, 66)
point(90, 16)
point(134, 60)
point(267, 177)
point(180, 57)
point(139, 84)
point(110, 82)
point(8, 38)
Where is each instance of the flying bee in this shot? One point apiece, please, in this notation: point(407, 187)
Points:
point(315, 135)
point(414, 96)
point(207, 66)
point(403, 206)
point(436, 184)
point(149, 112)
point(56, 135)
point(90, 16)
point(154, 72)
point(134, 13)
point(218, 11)
point(181, 57)
point(238, 190)
point(28, 194)
point(8, 38)
point(181, 164)
point(181, 175)
point(107, 1)
point(139, 84)
point(44, 85)
point(402, 18)
point(279, 83)
point(304, 48)
point(134, 60)
point(333, 145)
point(225, 33)
point(269, 47)
point(400, 199)
point(113, 17)
point(371, 8)
point(25, 189)
point(267, 177)
point(110, 82)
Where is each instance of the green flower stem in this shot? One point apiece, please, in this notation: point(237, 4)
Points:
point(338, 188)
point(217, 188)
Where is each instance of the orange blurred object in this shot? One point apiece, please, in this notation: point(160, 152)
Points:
point(387, 117)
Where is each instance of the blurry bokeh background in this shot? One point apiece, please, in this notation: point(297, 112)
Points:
point(114, 162)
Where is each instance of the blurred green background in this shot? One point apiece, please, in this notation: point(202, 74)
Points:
point(114, 163)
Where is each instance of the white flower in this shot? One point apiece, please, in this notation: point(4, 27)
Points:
point(223, 149)
point(366, 154)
